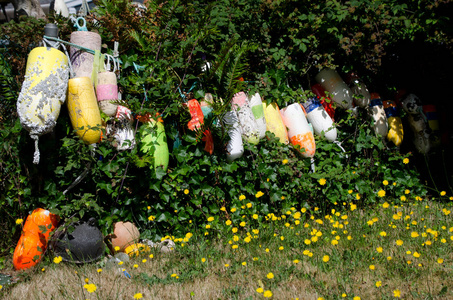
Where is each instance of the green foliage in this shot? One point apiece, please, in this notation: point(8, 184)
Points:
point(275, 46)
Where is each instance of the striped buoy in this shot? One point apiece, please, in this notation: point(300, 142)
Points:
point(332, 82)
point(82, 61)
point(274, 122)
point(83, 109)
point(299, 132)
point(197, 120)
point(249, 127)
point(412, 105)
point(360, 92)
point(257, 108)
point(42, 93)
point(320, 120)
point(124, 133)
point(154, 141)
point(106, 92)
point(377, 112)
point(235, 147)
point(395, 133)
point(33, 240)
point(326, 102)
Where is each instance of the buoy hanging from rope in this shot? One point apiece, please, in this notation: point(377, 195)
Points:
point(81, 60)
point(361, 94)
point(274, 122)
point(43, 92)
point(83, 109)
point(325, 101)
point(257, 108)
point(106, 92)
point(195, 123)
point(412, 105)
point(320, 120)
point(124, 133)
point(299, 132)
point(396, 132)
point(249, 127)
point(153, 141)
point(33, 240)
point(235, 147)
point(377, 112)
point(332, 82)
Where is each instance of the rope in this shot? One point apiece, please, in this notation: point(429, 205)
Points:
point(339, 145)
point(312, 161)
point(36, 155)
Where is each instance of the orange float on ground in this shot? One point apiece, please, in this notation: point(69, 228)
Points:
point(33, 241)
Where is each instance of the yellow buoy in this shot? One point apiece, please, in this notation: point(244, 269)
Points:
point(83, 109)
point(43, 91)
point(274, 122)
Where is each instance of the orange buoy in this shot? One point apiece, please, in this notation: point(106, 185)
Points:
point(195, 123)
point(125, 234)
point(33, 241)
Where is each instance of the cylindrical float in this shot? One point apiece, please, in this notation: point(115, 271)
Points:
point(249, 127)
point(83, 109)
point(257, 108)
point(153, 142)
point(412, 105)
point(82, 61)
point(326, 102)
point(430, 112)
point(274, 122)
point(43, 91)
point(377, 112)
point(106, 92)
point(235, 147)
point(396, 132)
point(332, 82)
point(299, 132)
point(33, 241)
point(195, 123)
point(360, 92)
point(320, 120)
point(124, 133)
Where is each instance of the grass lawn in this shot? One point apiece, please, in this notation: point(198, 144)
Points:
point(392, 250)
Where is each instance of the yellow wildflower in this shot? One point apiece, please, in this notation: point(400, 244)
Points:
point(406, 161)
point(57, 259)
point(259, 194)
point(322, 181)
point(186, 191)
point(90, 287)
point(381, 193)
point(138, 296)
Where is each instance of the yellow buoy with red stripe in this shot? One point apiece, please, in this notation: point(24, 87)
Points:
point(83, 109)
point(274, 122)
point(396, 132)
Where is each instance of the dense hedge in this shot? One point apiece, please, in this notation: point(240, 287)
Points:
point(276, 47)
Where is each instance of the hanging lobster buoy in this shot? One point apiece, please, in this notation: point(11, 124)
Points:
point(83, 109)
point(249, 127)
point(235, 147)
point(106, 92)
point(154, 141)
point(82, 61)
point(320, 120)
point(319, 91)
point(274, 122)
point(332, 82)
point(395, 132)
point(412, 105)
point(377, 112)
point(299, 132)
point(196, 122)
point(430, 112)
point(360, 92)
point(43, 91)
point(257, 108)
point(33, 241)
point(124, 133)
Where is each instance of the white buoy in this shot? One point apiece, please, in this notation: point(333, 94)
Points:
point(362, 96)
point(412, 105)
point(320, 120)
point(249, 127)
point(332, 82)
point(257, 108)
point(377, 112)
point(235, 147)
point(299, 132)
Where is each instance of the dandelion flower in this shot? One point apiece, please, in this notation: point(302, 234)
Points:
point(382, 233)
point(138, 296)
point(378, 283)
point(285, 161)
point(414, 234)
point(228, 222)
point(57, 259)
point(281, 248)
point(372, 267)
point(379, 249)
point(260, 290)
point(322, 181)
point(267, 294)
point(259, 194)
point(416, 254)
point(296, 261)
point(270, 275)
point(381, 193)
point(244, 263)
point(440, 260)
point(325, 258)
point(385, 182)
point(356, 298)
point(399, 242)
point(19, 221)
point(90, 287)
point(99, 270)
point(349, 191)
point(406, 191)
point(241, 197)
point(443, 193)
point(406, 161)
point(385, 205)
point(397, 294)
point(210, 219)
point(242, 224)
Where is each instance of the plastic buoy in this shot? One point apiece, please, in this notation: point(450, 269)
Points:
point(412, 105)
point(320, 120)
point(43, 92)
point(377, 112)
point(197, 120)
point(430, 112)
point(82, 61)
point(274, 122)
point(106, 92)
point(235, 147)
point(361, 94)
point(124, 235)
point(299, 132)
point(257, 108)
point(33, 241)
point(332, 82)
point(249, 127)
point(83, 109)
point(154, 141)
point(325, 101)
point(395, 132)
